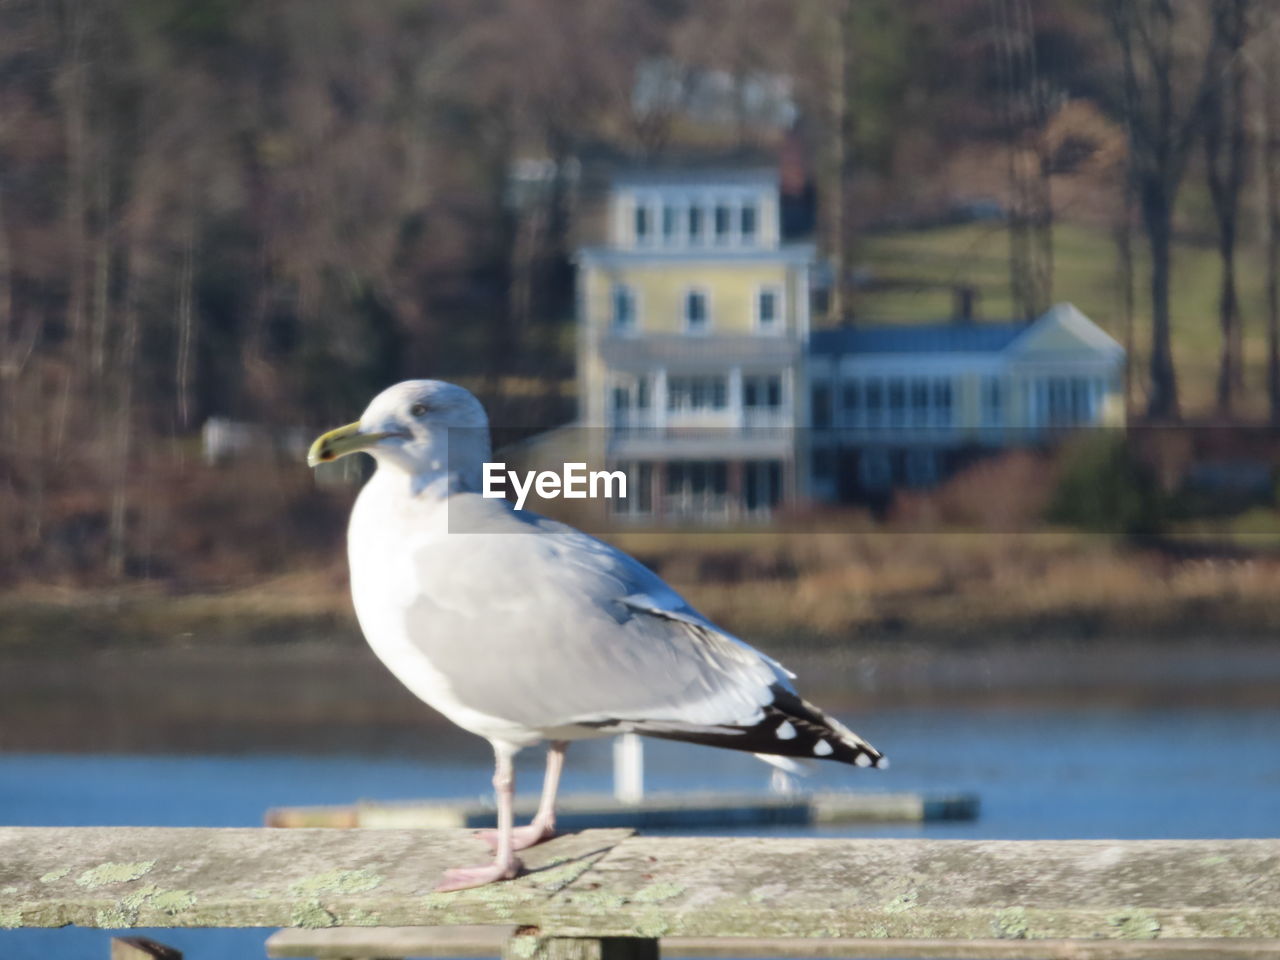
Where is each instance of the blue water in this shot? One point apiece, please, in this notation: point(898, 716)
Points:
point(1053, 774)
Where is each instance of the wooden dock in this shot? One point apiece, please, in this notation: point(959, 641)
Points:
point(611, 895)
point(386, 943)
point(672, 811)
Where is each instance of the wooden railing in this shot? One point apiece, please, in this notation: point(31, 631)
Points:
point(611, 894)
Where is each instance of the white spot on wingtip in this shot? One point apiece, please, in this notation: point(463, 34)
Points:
point(822, 749)
point(882, 763)
point(785, 731)
point(862, 760)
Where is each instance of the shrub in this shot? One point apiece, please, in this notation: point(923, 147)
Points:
point(1103, 488)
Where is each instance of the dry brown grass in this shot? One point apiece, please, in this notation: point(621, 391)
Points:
point(966, 587)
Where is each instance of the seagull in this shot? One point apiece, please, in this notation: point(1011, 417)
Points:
point(523, 630)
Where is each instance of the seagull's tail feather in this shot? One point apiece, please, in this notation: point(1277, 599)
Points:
point(789, 727)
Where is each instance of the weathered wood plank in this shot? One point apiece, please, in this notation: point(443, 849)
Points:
point(343, 942)
point(339, 942)
point(532, 947)
point(607, 884)
point(926, 889)
point(655, 812)
point(194, 877)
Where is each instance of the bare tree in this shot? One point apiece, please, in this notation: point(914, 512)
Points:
point(1226, 152)
point(1122, 234)
point(1269, 86)
point(844, 83)
point(1166, 74)
point(1031, 204)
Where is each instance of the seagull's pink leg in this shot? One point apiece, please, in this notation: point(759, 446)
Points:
point(543, 826)
point(506, 864)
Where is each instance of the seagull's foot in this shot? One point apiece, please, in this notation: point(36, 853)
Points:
point(464, 878)
point(522, 838)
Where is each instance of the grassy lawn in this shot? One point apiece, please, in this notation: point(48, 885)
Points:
point(1085, 273)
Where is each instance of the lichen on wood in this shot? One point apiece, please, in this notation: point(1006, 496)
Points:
point(608, 883)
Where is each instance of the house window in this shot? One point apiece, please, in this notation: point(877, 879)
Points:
point(1059, 405)
point(875, 469)
point(897, 401)
point(643, 226)
point(624, 307)
point(697, 486)
point(763, 391)
point(621, 406)
point(823, 463)
point(642, 393)
point(697, 393)
point(1081, 402)
point(851, 401)
point(919, 402)
point(763, 484)
point(695, 224)
point(1065, 401)
point(639, 498)
point(942, 402)
point(820, 403)
point(722, 223)
point(875, 403)
point(921, 468)
point(747, 224)
point(992, 402)
point(696, 313)
point(769, 309)
point(670, 224)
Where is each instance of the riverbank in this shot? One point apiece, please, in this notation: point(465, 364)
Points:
point(868, 621)
point(789, 591)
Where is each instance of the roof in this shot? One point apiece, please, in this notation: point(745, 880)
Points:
point(802, 253)
point(951, 337)
point(697, 177)
point(679, 353)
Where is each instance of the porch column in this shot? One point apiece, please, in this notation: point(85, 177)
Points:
point(736, 418)
point(660, 400)
point(658, 493)
point(737, 506)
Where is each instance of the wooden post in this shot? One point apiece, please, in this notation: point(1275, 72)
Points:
point(628, 768)
point(529, 946)
point(140, 948)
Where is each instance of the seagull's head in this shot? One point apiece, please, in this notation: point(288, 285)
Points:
point(425, 428)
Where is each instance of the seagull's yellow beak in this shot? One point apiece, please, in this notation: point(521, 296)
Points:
point(338, 443)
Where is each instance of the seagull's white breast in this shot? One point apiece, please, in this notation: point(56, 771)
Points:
point(388, 527)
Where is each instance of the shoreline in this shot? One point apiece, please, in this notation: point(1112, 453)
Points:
point(319, 696)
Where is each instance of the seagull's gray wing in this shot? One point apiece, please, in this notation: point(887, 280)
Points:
point(544, 626)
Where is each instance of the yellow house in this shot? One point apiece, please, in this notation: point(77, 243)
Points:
point(905, 405)
point(693, 321)
point(700, 378)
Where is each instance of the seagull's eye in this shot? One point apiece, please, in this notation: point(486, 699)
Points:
point(419, 410)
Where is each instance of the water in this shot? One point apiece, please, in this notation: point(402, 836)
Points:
point(1041, 774)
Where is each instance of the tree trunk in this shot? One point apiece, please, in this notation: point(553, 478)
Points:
point(1123, 235)
point(118, 522)
point(75, 124)
point(1031, 204)
point(186, 317)
point(1158, 220)
point(102, 253)
point(1270, 84)
point(843, 162)
point(1164, 120)
point(1225, 146)
point(1228, 323)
